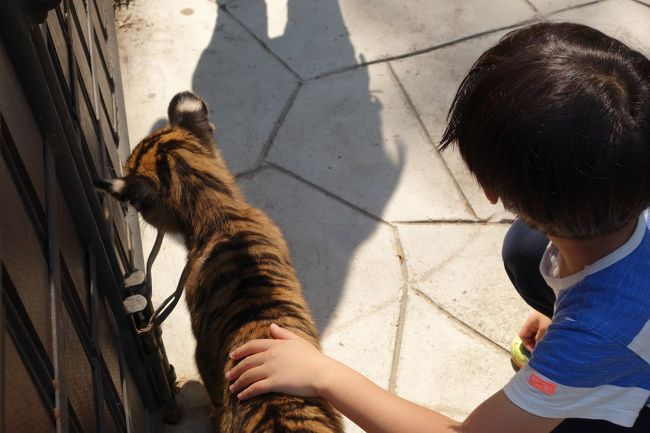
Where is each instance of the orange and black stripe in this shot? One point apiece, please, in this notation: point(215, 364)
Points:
point(241, 277)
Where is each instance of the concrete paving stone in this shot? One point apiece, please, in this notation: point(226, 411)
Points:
point(625, 20)
point(459, 267)
point(367, 346)
point(354, 135)
point(315, 37)
point(431, 81)
point(156, 57)
point(190, 45)
point(347, 263)
point(444, 366)
point(550, 6)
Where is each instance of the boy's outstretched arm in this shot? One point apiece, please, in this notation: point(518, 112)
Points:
point(291, 365)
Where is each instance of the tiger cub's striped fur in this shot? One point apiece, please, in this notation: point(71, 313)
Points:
point(241, 278)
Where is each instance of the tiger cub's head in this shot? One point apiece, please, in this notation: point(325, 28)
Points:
point(175, 175)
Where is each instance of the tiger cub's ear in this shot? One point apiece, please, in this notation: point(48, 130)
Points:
point(190, 112)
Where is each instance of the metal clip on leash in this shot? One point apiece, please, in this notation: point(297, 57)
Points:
point(147, 323)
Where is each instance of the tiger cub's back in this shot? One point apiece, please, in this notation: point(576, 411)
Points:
point(245, 283)
point(241, 278)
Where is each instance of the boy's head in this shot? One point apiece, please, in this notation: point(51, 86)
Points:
point(555, 121)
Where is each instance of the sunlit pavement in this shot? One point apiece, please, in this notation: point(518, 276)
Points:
point(330, 113)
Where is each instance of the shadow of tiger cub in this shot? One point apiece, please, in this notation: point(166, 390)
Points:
point(240, 275)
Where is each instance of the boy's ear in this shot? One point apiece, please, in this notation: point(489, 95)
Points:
point(190, 112)
point(492, 196)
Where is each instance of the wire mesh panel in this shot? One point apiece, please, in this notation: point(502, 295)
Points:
point(23, 408)
point(70, 356)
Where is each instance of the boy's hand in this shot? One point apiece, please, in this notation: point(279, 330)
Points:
point(534, 329)
point(286, 364)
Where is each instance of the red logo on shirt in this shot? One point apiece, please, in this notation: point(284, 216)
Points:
point(542, 385)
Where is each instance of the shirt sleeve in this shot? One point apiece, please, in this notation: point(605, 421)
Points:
point(575, 372)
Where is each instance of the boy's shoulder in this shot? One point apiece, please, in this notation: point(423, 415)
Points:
point(594, 361)
point(614, 296)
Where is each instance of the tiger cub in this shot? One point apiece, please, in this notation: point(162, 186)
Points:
point(240, 275)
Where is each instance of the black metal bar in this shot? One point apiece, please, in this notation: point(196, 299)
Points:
point(162, 372)
point(114, 404)
point(143, 349)
point(2, 350)
point(46, 5)
point(25, 188)
point(94, 337)
point(40, 8)
point(31, 60)
point(29, 346)
point(56, 298)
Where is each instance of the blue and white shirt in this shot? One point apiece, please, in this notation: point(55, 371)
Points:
point(594, 361)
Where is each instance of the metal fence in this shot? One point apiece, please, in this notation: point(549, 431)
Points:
point(71, 358)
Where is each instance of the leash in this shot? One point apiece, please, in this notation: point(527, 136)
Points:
point(148, 330)
point(168, 305)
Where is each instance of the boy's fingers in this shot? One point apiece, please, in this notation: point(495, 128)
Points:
point(529, 346)
point(247, 378)
point(245, 364)
point(529, 341)
point(261, 387)
point(526, 335)
point(281, 333)
point(253, 346)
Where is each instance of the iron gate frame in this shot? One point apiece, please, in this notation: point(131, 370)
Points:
point(26, 42)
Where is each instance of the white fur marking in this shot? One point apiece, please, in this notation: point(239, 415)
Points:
point(118, 185)
point(189, 105)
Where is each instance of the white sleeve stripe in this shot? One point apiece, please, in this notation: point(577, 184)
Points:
point(607, 402)
point(641, 343)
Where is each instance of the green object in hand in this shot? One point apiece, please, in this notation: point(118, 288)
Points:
point(519, 355)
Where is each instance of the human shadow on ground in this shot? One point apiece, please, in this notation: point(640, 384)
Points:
point(242, 77)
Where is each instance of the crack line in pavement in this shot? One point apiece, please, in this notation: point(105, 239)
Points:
point(276, 128)
point(329, 332)
point(261, 42)
point(641, 3)
point(411, 107)
point(327, 193)
point(532, 6)
point(399, 334)
point(570, 8)
point(454, 221)
point(422, 51)
point(246, 174)
point(453, 255)
point(458, 321)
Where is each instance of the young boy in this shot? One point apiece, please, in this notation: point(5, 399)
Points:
point(554, 121)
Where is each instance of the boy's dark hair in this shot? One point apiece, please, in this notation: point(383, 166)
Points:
point(555, 119)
